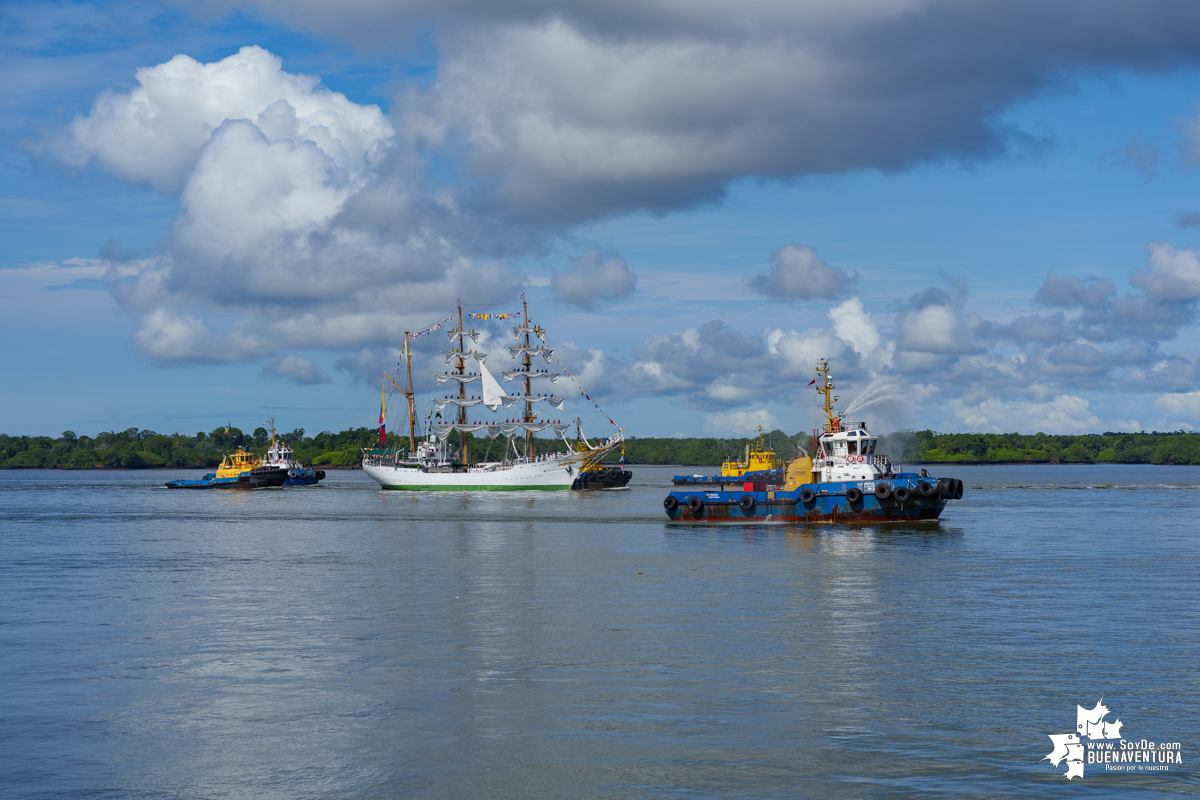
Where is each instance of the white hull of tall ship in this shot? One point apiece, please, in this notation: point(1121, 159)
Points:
point(548, 473)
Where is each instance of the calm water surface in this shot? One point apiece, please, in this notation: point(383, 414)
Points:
point(340, 642)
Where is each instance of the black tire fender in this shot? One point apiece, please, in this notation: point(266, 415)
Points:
point(926, 490)
point(669, 503)
point(854, 494)
point(747, 505)
point(958, 489)
point(807, 496)
point(696, 506)
point(320, 474)
point(883, 491)
point(902, 494)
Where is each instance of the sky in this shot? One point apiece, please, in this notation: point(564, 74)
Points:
point(984, 215)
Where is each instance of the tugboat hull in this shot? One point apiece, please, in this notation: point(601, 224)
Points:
point(606, 478)
point(906, 498)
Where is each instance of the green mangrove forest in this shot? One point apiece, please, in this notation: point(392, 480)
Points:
point(140, 449)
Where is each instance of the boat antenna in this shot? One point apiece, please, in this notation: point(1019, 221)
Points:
point(825, 386)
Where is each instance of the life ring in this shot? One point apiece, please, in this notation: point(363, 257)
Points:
point(747, 505)
point(669, 503)
point(861, 459)
point(902, 494)
point(926, 490)
point(696, 506)
point(807, 496)
point(883, 491)
point(854, 494)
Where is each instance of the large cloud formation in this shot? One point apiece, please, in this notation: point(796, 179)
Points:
point(301, 225)
point(309, 220)
point(569, 110)
point(981, 374)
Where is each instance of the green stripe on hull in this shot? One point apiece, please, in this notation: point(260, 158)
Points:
point(403, 488)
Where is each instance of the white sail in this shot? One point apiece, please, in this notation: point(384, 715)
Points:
point(474, 335)
point(470, 377)
point(493, 392)
point(513, 374)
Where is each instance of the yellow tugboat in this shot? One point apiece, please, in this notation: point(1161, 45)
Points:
point(238, 470)
point(237, 462)
point(761, 467)
point(759, 458)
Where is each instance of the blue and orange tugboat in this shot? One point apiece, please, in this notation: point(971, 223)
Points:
point(846, 481)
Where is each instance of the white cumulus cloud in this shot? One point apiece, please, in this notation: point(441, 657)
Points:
point(592, 278)
point(797, 273)
point(740, 423)
point(1062, 415)
point(155, 132)
point(299, 370)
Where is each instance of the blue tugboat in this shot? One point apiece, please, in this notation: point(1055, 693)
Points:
point(846, 481)
point(239, 470)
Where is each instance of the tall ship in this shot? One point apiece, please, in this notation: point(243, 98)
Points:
point(845, 480)
point(437, 463)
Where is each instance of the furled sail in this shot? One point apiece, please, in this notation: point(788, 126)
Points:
point(512, 374)
point(463, 402)
point(447, 376)
point(492, 430)
point(474, 335)
point(450, 355)
point(544, 352)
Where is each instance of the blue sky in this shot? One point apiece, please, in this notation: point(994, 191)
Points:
point(983, 225)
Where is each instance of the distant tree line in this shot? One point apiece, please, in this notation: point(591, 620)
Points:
point(929, 447)
point(140, 449)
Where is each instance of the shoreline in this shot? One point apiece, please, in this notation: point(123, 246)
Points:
point(938, 464)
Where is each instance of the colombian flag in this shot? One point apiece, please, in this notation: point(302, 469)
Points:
point(814, 380)
point(382, 414)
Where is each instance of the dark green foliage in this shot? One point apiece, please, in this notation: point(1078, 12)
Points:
point(912, 447)
point(140, 449)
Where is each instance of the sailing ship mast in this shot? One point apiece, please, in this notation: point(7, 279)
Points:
point(528, 392)
point(462, 387)
point(412, 413)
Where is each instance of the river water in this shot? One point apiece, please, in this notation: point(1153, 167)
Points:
point(341, 642)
